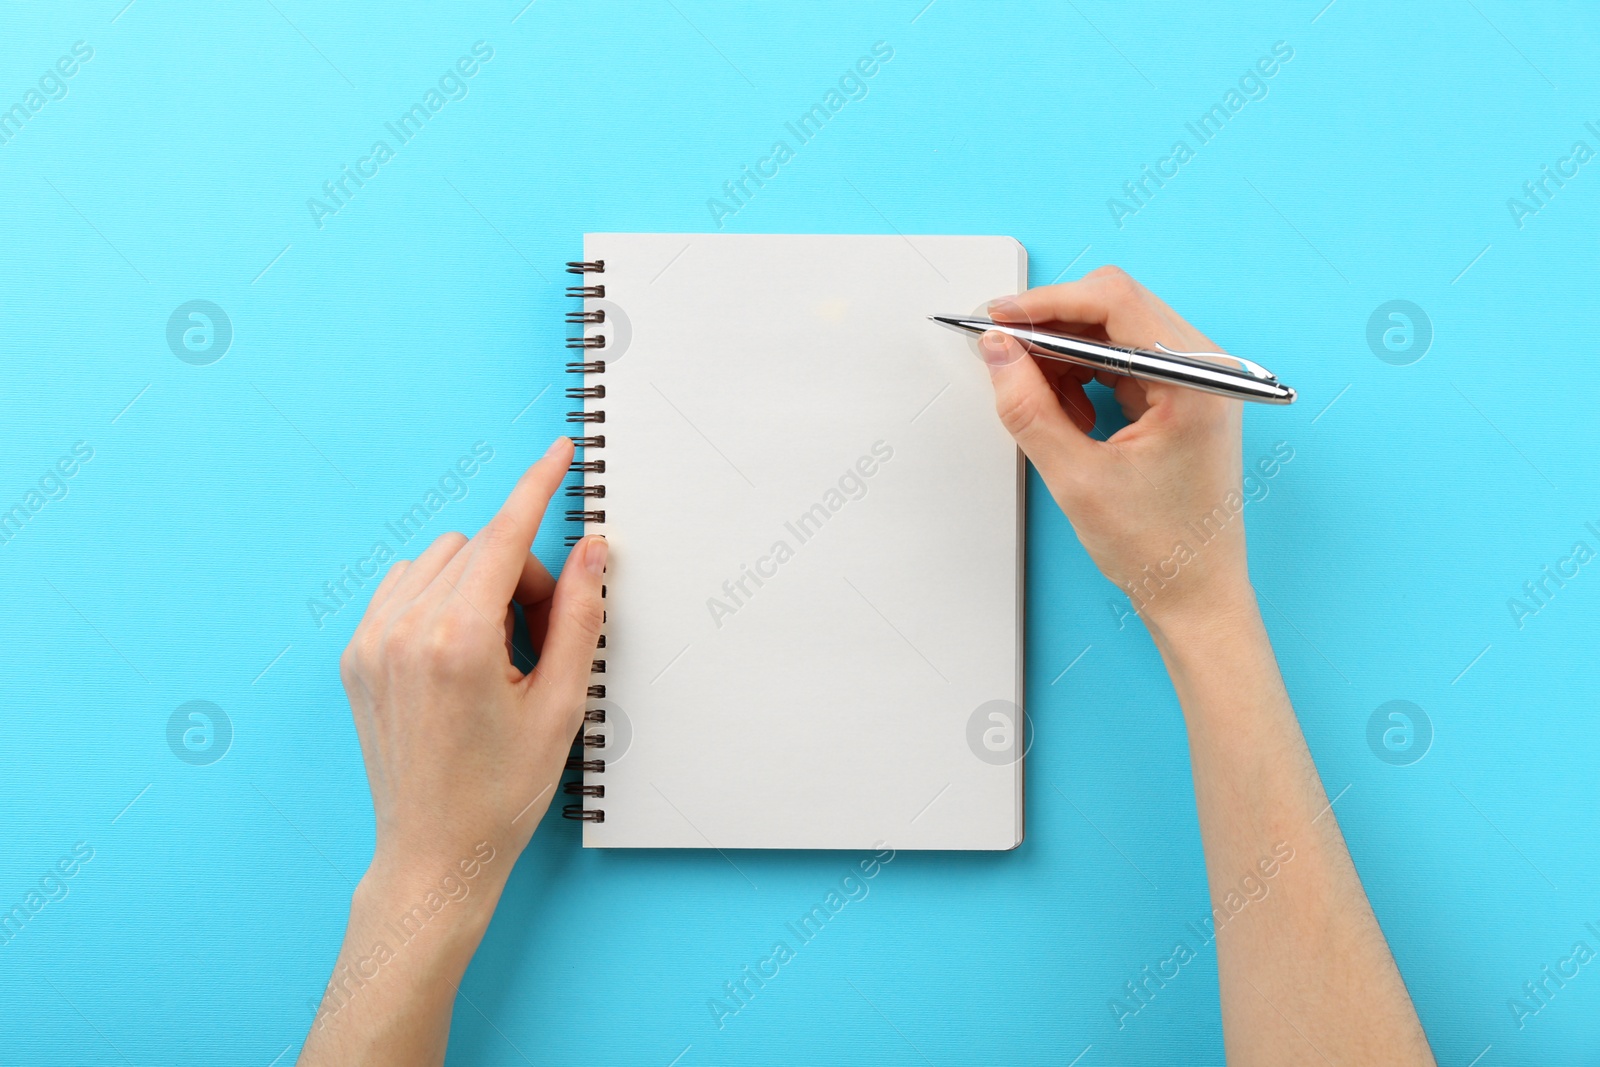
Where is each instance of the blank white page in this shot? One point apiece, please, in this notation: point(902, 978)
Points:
point(814, 596)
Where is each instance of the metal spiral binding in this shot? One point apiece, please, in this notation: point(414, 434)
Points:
point(587, 743)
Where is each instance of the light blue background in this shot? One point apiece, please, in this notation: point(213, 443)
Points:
point(425, 316)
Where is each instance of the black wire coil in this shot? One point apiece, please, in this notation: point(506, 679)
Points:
point(587, 743)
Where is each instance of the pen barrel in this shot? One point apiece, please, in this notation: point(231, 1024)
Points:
point(1208, 377)
point(1085, 353)
point(1189, 370)
point(1165, 367)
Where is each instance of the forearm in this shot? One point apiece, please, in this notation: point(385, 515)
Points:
point(1300, 957)
point(393, 987)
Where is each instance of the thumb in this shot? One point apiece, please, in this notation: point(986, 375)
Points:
point(1028, 407)
point(576, 612)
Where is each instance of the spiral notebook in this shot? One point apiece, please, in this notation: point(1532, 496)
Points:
point(813, 633)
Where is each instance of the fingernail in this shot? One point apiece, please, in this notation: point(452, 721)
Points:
point(992, 347)
point(555, 446)
point(594, 555)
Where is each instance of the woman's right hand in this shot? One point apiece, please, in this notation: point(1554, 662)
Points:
point(1158, 505)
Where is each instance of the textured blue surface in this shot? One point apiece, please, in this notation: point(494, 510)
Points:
point(371, 352)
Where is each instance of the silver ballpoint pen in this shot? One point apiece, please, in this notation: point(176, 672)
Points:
point(1250, 382)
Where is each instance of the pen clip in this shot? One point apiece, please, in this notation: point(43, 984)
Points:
point(1254, 370)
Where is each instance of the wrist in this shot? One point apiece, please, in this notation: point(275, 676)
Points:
point(1213, 656)
point(402, 960)
point(1204, 617)
point(1211, 639)
point(438, 911)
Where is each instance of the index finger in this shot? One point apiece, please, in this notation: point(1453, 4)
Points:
point(500, 550)
point(1106, 297)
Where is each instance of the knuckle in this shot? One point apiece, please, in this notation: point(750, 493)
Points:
point(366, 646)
point(588, 615)
point(1120, 285)
point(499, 534)
point(1018, 411)
point(399, 638)
point(444, 644)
